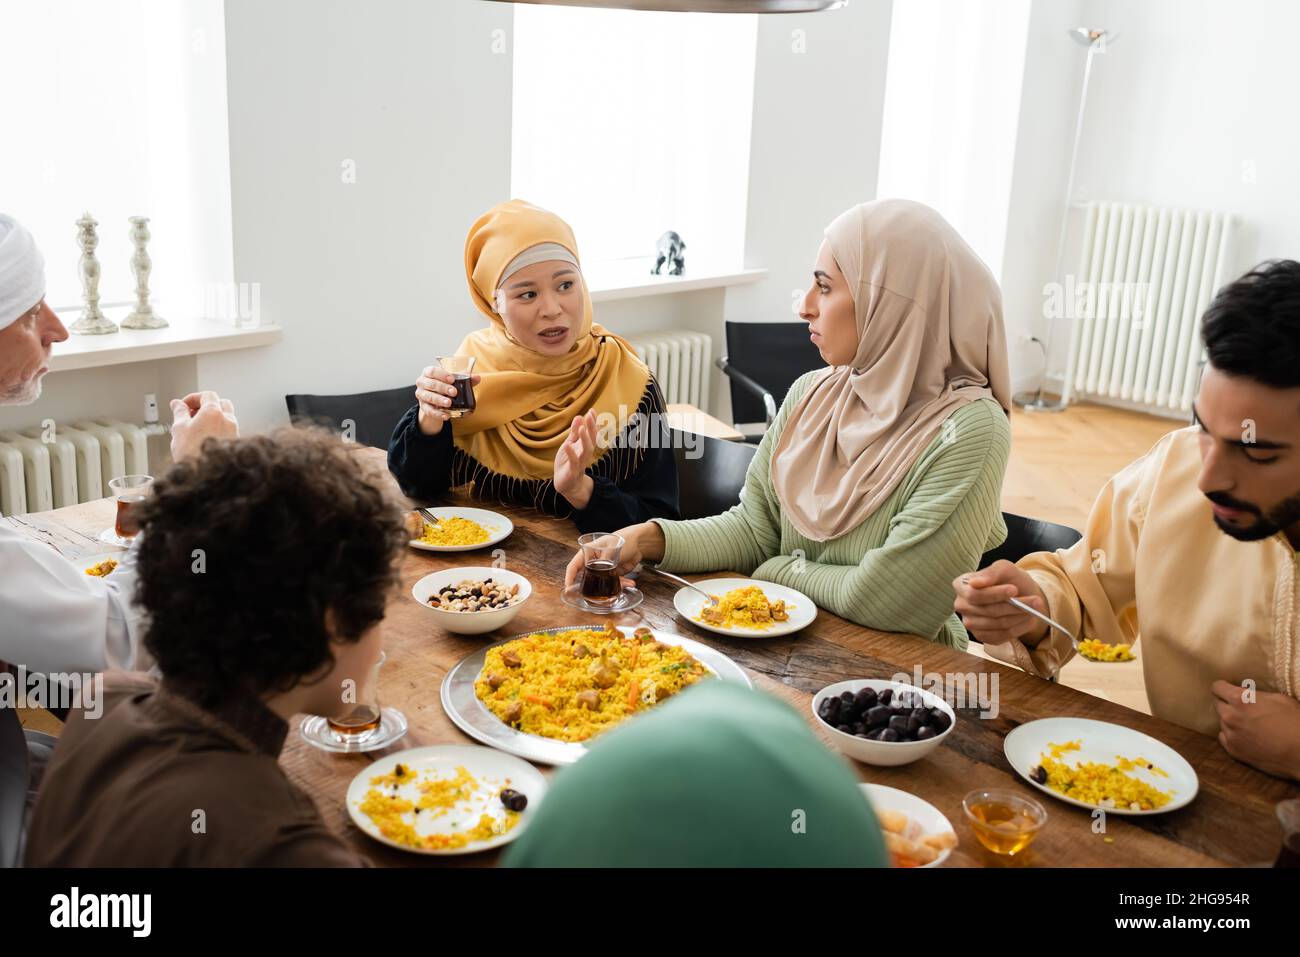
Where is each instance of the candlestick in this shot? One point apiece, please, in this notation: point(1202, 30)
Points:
point(92, 321)
point(142, 316)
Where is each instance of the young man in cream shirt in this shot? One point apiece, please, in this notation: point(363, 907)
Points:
point(1195, 547)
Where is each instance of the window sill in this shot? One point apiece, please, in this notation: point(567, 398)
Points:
point(632, 279)
point(192, 338)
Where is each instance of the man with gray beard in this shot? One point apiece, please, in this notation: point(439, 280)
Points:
point(53, 617)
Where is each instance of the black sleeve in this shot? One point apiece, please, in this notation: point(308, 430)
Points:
point(649, 492)
point(420, 463)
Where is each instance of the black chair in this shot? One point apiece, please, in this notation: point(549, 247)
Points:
point(13, 785)
point(1028, 535)
point(709, 479)
point(763, 359)
point(373, 415)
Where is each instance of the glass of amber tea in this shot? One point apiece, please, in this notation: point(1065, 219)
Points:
point(462, 367)
point(128, 492)
point(362, 724)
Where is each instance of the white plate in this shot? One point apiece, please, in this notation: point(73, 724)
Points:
point(1103, 743)
point(472, 716)
point(929, 817)
point(802, 609)
point(499, 528)
point(490, 767)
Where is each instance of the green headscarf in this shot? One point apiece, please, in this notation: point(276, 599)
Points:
point(721, 776)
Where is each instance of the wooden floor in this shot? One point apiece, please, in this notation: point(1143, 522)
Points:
point(1059, 462)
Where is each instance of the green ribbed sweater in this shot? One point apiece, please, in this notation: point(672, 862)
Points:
point(895, 570)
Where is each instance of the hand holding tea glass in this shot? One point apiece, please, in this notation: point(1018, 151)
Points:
point(445, 390)
point(640, 543)
point(593, 581)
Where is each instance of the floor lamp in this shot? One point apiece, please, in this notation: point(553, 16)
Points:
point(1033, 400)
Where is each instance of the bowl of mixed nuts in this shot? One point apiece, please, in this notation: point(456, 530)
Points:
point(473, 601)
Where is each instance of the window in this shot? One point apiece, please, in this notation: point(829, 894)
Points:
point(628, 123)
point(952, 108)
point(118, 107)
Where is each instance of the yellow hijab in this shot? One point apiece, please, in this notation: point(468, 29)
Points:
point(527, 401)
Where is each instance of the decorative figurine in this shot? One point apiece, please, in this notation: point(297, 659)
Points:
point(670, 248)
point(142, 316)
point(92, 321)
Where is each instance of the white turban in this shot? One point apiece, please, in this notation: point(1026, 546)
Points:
point(22, 271)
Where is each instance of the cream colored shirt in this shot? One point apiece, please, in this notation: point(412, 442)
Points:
point(1153, 564)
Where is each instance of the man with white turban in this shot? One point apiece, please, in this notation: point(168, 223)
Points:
point(53, 617)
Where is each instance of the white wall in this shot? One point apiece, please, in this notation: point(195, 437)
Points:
point(818, 95)
point(1195, 105)
point(1192, 105)
point(366, 277)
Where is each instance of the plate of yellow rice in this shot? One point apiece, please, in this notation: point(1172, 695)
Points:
point(746, 607)
point(445, 799)
point(546, 694)
point(1095, 764)
point(460, 530)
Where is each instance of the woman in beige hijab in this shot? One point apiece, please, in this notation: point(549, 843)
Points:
point(880, 479)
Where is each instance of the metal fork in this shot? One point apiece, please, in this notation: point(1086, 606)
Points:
point(682, 581)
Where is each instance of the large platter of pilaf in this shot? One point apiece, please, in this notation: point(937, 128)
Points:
point(546, 694)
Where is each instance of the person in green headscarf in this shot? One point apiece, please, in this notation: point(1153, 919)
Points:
point(721, 776)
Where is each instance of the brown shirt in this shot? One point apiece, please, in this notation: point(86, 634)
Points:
point(158, 781)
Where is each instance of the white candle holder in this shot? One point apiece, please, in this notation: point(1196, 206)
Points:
point(92, 321)
point(142, 316)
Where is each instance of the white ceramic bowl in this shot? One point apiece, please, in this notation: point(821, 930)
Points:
point(882, 753)
point(930, 819)
point(471, 622)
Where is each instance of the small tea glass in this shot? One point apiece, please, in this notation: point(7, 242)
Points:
point(367, 727)
point(462, 367)
point(599, 587)
point(128, 491)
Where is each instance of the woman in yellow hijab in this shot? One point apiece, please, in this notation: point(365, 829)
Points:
point(568, 419)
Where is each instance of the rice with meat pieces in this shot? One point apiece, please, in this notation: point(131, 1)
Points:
point(572, 685)
point(745, 607)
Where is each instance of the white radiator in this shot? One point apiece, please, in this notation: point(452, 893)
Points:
point(680, 362)
point(1145, 277)
point(43, 468)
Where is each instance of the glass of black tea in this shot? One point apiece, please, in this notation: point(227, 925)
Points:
point(128, 491)
point(601, 553)
point(462, 367)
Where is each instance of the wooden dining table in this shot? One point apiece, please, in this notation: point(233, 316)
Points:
point(1232, 821)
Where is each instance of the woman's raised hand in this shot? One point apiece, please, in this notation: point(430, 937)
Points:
point(571, 460)
point(433, 390)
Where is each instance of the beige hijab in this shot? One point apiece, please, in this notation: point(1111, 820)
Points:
point(930, 340)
